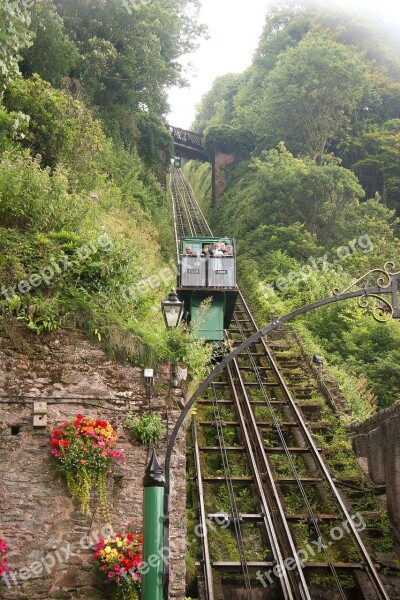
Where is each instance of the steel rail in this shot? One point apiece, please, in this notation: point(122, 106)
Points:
point(174, 219)
point(185, 207)
point(204, 228)
point(208, 577)
point(288, 454)
point(189, 199)
point(178, 208)
point(231, 493)
point(265, 502)
point(276, 505)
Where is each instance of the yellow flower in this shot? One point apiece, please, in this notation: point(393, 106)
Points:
point(107, 549)
point(119, 544)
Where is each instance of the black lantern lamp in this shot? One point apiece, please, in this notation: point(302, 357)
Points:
point(172, 310)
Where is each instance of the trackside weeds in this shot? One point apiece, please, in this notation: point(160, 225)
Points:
point(59, 556)
point(313, 548)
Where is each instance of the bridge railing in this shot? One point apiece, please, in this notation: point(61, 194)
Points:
point(186, 137)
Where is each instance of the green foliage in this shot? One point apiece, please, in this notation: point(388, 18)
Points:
point(217, 105)
point(154, 138)
point(13, 127)
point(375, 157)
point(310, 95)
point(52, 55)
point(148, 429)
point(61, 129)
point(129, 58)
point(14, 36)
point(36, 199)
point(226, 138)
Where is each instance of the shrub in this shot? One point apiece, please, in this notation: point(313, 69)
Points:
point(35, 198)
point(147, 430)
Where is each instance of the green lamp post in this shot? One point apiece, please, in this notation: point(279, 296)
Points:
point(153, 510)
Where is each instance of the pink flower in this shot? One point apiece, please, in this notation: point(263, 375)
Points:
point(104, 567)
point(111, 574)
point(55, 452)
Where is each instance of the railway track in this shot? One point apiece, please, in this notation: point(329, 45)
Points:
point(273, 522)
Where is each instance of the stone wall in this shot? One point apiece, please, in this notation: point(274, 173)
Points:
point(377, 441)
point(46, 533)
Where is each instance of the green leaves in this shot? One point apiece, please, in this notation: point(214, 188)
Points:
point(14, 36)
point(311, 93)
point(147, 430)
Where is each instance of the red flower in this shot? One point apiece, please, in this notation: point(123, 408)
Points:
point(79, 417)
point(54, 442)
point(64, 443)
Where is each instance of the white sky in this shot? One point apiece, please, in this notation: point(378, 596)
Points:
point(234, 28)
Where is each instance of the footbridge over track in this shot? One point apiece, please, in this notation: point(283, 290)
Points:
point(188, 144)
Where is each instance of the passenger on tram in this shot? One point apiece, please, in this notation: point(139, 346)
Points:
point(207, 252)
point(222, 247)
point(217, 250)
point(229, 250)
point(190, 252)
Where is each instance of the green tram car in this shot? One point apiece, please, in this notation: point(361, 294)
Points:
point(207, 286)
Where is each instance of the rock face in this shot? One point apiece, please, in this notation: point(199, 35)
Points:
point(50, 541)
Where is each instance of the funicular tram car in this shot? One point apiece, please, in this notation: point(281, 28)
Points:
point(208, 277)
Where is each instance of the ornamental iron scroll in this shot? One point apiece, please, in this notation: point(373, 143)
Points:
point(384, 279)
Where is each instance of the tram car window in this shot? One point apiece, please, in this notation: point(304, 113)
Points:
point(208, 272)
point(177, 162)
point(210, 279)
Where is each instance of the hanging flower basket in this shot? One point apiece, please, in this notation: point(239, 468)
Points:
point(85, 451)
point(3, 560)
point(118, 562)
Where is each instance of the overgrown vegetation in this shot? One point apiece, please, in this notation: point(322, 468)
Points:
point(85, 231)
point(316, 205)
